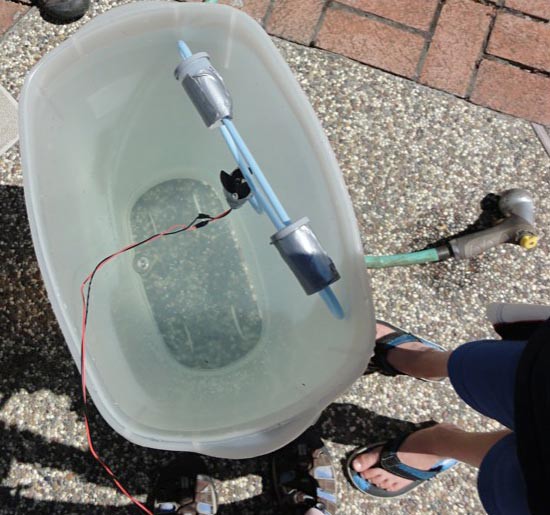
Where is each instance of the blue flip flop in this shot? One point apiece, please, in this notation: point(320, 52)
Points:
point(379, 362)
point(390, 462)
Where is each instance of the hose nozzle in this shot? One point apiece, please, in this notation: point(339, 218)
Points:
point(517, 209)
point(529, 241)
point(517, 202)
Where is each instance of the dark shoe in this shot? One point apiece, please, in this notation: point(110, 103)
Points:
point(63, 11)
point(304, 476)
point(183, 488)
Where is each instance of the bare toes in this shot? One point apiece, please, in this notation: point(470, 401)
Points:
point(385, 483)
point(366, 460)
point(394, 486)
point(373, 473)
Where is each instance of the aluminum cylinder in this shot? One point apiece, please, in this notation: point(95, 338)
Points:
point(303, 253)
point(205, 88)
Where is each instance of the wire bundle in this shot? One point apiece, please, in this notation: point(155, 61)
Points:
point(201, 220)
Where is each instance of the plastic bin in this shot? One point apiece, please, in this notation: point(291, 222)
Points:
point(203, 341)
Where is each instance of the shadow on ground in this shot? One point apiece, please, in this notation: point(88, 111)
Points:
point(34, 357)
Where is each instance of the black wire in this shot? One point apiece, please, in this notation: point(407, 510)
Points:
point(205, 220)
point(135, 245)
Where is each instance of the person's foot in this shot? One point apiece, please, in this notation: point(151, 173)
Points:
point(406, 356)
point(63, 11)
point(366, 464)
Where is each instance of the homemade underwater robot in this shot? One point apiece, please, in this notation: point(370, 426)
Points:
point(205, 341)
point(209, 341)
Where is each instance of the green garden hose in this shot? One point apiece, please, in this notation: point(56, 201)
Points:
point(409, 258)
point(515, 225)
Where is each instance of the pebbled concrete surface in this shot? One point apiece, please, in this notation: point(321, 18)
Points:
point(417, 163)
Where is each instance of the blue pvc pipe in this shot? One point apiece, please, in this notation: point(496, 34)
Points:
point(258, 174)
point(332, 302)
point(255, 205)
point(260, 203)
point(185, 51)
point(272, 206)
point(244, 168)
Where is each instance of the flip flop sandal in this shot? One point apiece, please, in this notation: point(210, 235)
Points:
point(183, 488)
point(390, 462)
point(304, 476)
point(379, 362)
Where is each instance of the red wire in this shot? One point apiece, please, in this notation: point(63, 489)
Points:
point(170, 230)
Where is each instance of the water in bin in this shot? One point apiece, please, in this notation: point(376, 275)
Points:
point(202, 341)
point(208, 315)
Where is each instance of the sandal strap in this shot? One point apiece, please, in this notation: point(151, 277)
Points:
point(379, 362)
point(390, 462)
point(383, 345)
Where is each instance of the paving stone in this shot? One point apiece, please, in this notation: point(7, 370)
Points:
point(255, 8)
point(521, 40)
point(371, 42)
point(8, 120)
point(10, 12)
point(511, 90)
point(456, 46)
point(414, 13)
point(540, 8)
point(295, 20)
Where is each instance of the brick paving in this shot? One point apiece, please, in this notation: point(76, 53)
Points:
point(371, 41)
point(512, 90)
point(295, 20)
point(453, 53)
point(412, 13)
point(540, 8)
point(494, 53)
point(522, 41)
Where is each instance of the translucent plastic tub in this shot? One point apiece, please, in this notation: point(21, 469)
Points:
point(202, 341)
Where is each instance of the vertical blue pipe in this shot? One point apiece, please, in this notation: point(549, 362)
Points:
point(332, 302)
point(258, 174)
point(243, 167)
point(185, 51)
